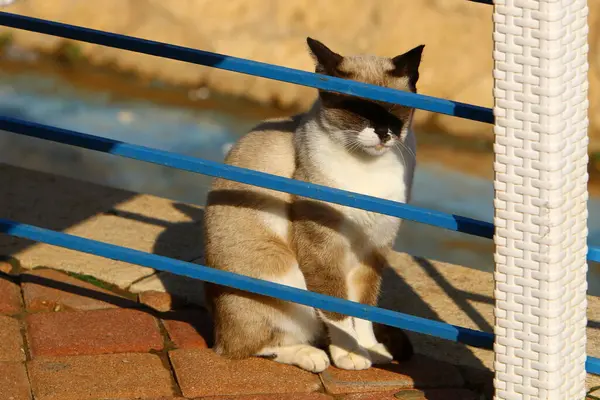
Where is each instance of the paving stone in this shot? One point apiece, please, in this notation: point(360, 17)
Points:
point(10, 295)
point(14, 384)
point(292, 396)
point(189, 329)
point(92, 332)
point(5, 267)
point(156, 398)
point(159, 301)
point(420, 372)
point(411, 394)
point(107, 376)
point(11, 341)
point(181, 289)
point(202, 373)
point(51, 290)
point(141, 222)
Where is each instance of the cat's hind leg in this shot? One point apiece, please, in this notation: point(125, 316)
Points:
point(252, 325)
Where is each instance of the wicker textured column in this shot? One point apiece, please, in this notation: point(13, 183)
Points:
point(540, 90)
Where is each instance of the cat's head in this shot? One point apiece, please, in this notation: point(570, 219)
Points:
point(366, 125)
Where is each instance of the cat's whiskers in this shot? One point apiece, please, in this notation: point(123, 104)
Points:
point(349, 142)
point(398, 145)
point(402, 146)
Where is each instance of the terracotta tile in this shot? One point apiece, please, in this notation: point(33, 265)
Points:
point(11, 341)
point(154, 398)
point(92, 332)
point(420, 371)
point(181, 289)
point(292, 396)
point(159, 301)
point(116, 376)
point(6, 267)
point(14, 384)
point(189, 329)
point(411, 394)
point(10, 295)
point(203, 373)
point(51, 290)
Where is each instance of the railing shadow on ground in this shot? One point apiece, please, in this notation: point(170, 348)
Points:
point(198, 321)
point(60, 203)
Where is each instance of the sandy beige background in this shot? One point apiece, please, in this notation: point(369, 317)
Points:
point(457, 60)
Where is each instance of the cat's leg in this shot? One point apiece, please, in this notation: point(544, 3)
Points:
point(324, 274)
point(251, 325)
point(324, 256)
point(297, 327)
point(346, 352)
point(378, 352)
point(365, 282)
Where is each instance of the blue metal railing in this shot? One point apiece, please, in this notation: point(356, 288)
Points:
point(405, 211)
point(249, 67)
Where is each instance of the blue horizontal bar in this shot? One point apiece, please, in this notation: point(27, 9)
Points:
point(401, 210)
point(387, 317)
point(250, 67)
point(201, 272)
point(211, 168)
point(592, 365)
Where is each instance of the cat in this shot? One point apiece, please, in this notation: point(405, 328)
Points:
point(344, 142)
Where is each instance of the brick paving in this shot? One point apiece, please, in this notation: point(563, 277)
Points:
point(415, 394)
point(92, 332)
point(75, 341)
point(419, 372)
point(14, 384)
point(292, 396)
point(130, 375)
point(202, 373)
point(10, 295)
point(11, 341)
point(189, 329)
point(51, 290)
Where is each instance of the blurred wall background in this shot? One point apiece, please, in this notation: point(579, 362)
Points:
point(457, 60)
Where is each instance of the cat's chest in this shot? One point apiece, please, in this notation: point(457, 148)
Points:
point(387, 178)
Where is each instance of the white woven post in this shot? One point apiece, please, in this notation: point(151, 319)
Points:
point(540, 91)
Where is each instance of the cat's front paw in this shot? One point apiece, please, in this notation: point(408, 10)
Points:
point(356, 359)
point(379, 354)
point(312, 359)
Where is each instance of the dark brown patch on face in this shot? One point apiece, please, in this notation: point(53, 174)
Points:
point(355, 114)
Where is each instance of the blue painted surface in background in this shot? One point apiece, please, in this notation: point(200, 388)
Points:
point(207, 134)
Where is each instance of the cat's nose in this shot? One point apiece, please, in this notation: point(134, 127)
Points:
point(383, 134)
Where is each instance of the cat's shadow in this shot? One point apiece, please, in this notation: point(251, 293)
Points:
point(397, 294)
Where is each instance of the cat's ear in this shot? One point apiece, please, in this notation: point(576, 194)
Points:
point(327, 61)
point(407, 65)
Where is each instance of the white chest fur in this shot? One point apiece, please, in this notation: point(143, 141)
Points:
point(388, 176)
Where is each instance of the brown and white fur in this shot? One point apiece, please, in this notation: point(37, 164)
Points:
point(344, 142)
